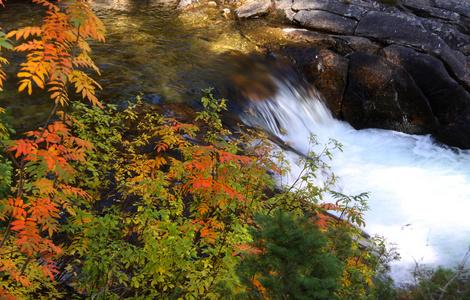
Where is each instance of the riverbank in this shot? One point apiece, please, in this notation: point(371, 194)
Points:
point(402, 67)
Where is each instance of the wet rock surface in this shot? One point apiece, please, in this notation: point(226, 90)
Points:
point(404, 66)
point(381, 94)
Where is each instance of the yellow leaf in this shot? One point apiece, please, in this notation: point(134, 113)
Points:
point(38, 81)
point(24, 74)
point(70, 210)
point(55, 95)
point(24, 84)
point(10, 34)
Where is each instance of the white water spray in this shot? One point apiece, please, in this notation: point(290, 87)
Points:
point(419, 191)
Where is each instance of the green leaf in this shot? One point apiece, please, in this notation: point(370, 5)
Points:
point(5, 43)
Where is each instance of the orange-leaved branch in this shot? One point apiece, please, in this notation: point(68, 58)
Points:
point(40, 175)
point(57, 49)
point(44, 190)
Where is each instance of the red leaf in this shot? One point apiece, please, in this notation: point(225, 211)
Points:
point(18, 225)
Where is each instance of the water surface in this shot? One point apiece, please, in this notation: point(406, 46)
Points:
point(150, 49)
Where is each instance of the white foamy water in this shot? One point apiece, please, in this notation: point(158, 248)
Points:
point(419, 191)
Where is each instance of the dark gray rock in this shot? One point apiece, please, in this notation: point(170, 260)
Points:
point(366, 4)
point(346, 44)
point(381, 94)
point(450, 33)
point(324, 69)
point(461, 7)
point(325, 21)
point(456, 64)
point(340, 8)
point(465, 50)
point(394, 29)
point(450, 102)
point(446, 97)
point(424, 8)
point(253, 8)
point(457, 133)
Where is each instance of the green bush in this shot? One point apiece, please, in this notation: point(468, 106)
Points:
point(293, 261)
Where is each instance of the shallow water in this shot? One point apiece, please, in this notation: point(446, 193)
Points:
point(150, 49)
point(419, 194)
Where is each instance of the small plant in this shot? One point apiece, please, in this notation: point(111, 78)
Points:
point(290, 260)
point(442, 283)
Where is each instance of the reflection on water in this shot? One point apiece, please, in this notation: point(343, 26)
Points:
point(149, 49)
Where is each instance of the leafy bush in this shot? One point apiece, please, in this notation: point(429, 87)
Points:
point(290, 259)
point(131, 204)
point(441, 283)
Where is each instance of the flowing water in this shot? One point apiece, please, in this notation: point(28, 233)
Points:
point(150, 49)
point(419, 191)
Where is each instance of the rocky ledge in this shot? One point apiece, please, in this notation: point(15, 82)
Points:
point(401, 66)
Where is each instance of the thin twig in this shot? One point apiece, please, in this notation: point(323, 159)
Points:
point(424, 280)
point(13, 159)
point(25, 264)
point(459, 273)
point(64, 88)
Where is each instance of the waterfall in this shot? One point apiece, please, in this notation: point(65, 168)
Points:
point(419, 191)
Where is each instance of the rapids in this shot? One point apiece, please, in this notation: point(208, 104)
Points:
point(419, 190)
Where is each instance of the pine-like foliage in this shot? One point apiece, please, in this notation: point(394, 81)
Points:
point(290, 260)
point(133, 204)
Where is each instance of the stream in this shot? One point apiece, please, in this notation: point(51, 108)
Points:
point(150, 50)
point(419, 191)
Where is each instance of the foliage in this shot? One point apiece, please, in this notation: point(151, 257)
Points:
point(132, 204)
point(291, 260)
point(441, 283)
point(174, 216)
point(170, 221)
point(36, 172)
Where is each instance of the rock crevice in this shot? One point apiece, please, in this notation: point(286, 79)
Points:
point(407, 64)
point(404, 67)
